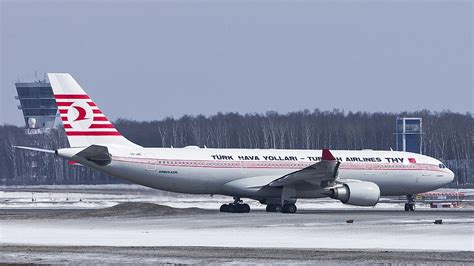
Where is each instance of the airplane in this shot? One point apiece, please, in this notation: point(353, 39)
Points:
point(276, 178)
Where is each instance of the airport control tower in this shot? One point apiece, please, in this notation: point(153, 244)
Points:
point(38, 106)
point(409, 134)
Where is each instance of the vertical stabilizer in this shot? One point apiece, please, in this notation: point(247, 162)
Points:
point(83, 121)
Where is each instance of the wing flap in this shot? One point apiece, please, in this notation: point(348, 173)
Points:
point(249, 185)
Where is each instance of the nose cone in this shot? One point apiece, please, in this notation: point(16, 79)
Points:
point(449, 176)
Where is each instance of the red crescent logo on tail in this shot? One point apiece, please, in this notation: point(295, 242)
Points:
point(81, 113)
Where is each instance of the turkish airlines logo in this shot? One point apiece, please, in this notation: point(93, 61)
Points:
point(80, 115)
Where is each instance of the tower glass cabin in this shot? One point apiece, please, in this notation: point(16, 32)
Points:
point(38, 105)
point(409, 134)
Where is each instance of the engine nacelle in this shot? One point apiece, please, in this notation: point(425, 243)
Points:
point(357, 193)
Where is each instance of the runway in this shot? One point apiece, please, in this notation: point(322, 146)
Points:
point(146, 232)
point(221, 255)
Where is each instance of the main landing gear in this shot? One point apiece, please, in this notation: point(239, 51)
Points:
point(235, 207)
point(285, 208)
point(410, 205)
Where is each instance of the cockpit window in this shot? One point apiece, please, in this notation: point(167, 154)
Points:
point(442, 166)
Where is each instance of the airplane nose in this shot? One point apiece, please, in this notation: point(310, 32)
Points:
point(449, 176)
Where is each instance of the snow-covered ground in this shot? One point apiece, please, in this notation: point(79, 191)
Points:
point(320, 224)
point(375, 230)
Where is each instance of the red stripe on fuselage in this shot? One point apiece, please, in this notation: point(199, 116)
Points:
point(263, 164)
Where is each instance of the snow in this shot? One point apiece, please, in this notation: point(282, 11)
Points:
point(209, 231)
point(382, 227)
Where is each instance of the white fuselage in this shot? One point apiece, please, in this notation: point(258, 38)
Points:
point(219, 171)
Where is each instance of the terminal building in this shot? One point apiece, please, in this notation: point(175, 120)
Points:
point(409, 135)
point(38, 106)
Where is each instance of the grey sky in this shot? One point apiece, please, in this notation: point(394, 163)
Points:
point(152, 59)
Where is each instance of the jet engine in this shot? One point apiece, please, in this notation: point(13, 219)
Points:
point(357, 193)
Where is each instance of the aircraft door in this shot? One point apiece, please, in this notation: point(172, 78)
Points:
point(150, 162)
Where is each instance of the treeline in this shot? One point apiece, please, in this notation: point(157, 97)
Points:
point(447, 136)
point(20, 167)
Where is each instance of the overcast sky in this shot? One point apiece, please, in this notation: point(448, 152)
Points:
point(152, 59)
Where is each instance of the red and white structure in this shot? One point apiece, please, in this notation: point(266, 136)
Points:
point(83, 121)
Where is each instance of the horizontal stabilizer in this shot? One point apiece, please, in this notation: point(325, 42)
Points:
point(97, 154)
point(34, 149)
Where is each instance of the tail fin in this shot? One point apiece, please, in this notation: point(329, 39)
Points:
point(83, 121)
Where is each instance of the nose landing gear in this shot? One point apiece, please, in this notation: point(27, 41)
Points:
point(235, 207)
point(410, 205)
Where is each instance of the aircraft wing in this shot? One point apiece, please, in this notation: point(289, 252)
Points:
point(314, 175)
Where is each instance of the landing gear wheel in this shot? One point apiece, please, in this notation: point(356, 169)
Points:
point(273, 208)
point(410, 207)
point(235, 208)
point(245, 208)
point(224, 208)
point(289, 208)
point(277, 208)
point(269, 208)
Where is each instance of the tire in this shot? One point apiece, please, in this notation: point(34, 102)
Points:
point(245, 208)
point(412, 207)
point(232, 208)
point(269, 208)
point(277, 208)
point(224, 208)
point(407, 207)
point(291, 208)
